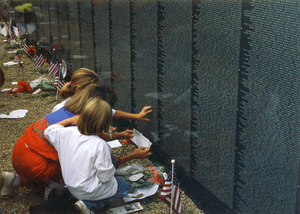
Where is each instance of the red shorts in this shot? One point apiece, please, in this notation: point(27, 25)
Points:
point(33, 167)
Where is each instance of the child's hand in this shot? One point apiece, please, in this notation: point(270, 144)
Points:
point(146, 110)
point(141, 153)
point(126, 134)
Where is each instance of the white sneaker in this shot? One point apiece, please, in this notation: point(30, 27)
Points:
point(6, 183)
point(80, 206)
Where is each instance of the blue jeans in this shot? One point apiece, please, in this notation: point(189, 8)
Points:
point(122, 191)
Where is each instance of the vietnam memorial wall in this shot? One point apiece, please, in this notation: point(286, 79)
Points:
point(222, 78)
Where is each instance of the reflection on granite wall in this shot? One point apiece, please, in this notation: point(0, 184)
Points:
point(222, 78)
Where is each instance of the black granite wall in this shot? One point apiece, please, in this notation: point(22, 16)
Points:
point(222, 78)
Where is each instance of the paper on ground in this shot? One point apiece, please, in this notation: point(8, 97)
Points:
point(140, 140)
point(15, 51)
point(127, 208)
point(146, 192)
point(10, 63)
point(114, 143)
point(5, 89)
point(15, 114)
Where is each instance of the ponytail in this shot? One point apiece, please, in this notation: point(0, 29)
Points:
point(66, 91)
point(81, 77)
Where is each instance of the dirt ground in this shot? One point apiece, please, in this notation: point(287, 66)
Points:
point(38, 106)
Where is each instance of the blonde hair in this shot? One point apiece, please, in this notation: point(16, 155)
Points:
point(95, 117)
point(78, 101)
point(81, 77)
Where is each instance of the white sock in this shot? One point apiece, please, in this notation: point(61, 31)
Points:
point(16, 181)
point(52, 184)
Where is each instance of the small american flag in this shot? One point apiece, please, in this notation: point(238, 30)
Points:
point(17, 58)
point(21, 68)
point(53, 69)
point(39, 59)
point(12, 33)
point(166, 193)
point(67, 59)
point(58, 84)
point(26, 46)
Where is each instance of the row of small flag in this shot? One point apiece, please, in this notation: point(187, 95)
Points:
point(59, 70)
point(59, 65)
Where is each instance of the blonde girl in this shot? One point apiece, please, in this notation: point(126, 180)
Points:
point(79, 80)
point(85, 158)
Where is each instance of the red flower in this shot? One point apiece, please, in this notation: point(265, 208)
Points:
point(126, 142)
point(31, 49)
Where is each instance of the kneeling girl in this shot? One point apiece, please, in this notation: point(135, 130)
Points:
point(85, 158)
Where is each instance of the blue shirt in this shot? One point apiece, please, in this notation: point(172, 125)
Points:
point(59, 115)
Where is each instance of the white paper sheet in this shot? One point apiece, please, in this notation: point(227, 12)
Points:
point(146, 192)
point(5, 89)
point(128, 208)
point(10, 63)
point(15, 114)
point(15, 51)
point(114, 143)
point(140, 140)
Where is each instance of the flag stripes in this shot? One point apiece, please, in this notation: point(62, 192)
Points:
point(58, 84)
point(166, 193)
point(53, 69)
point(67, 59)
point(39, 59)
point(26, 46)
point(12, 33)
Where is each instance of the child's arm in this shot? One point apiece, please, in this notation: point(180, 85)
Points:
point(69, 121)
point(139, 153)
point(52, 132)
point(140, 116)
point(118, 136)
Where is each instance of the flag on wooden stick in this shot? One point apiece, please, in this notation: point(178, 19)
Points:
point(67, 59)
point(26, 45)
point(53, 69)
point(21, 68)
point(58, 84)
point(12, 33)
point(167, 191)
point(17, 58)
point(39, 59)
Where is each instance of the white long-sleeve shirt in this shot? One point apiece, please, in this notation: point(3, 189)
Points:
point(85, 162)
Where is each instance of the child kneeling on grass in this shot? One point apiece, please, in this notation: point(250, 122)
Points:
point(85, 158)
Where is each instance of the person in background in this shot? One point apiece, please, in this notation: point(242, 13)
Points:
point(85, 158)
point(84, 77)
